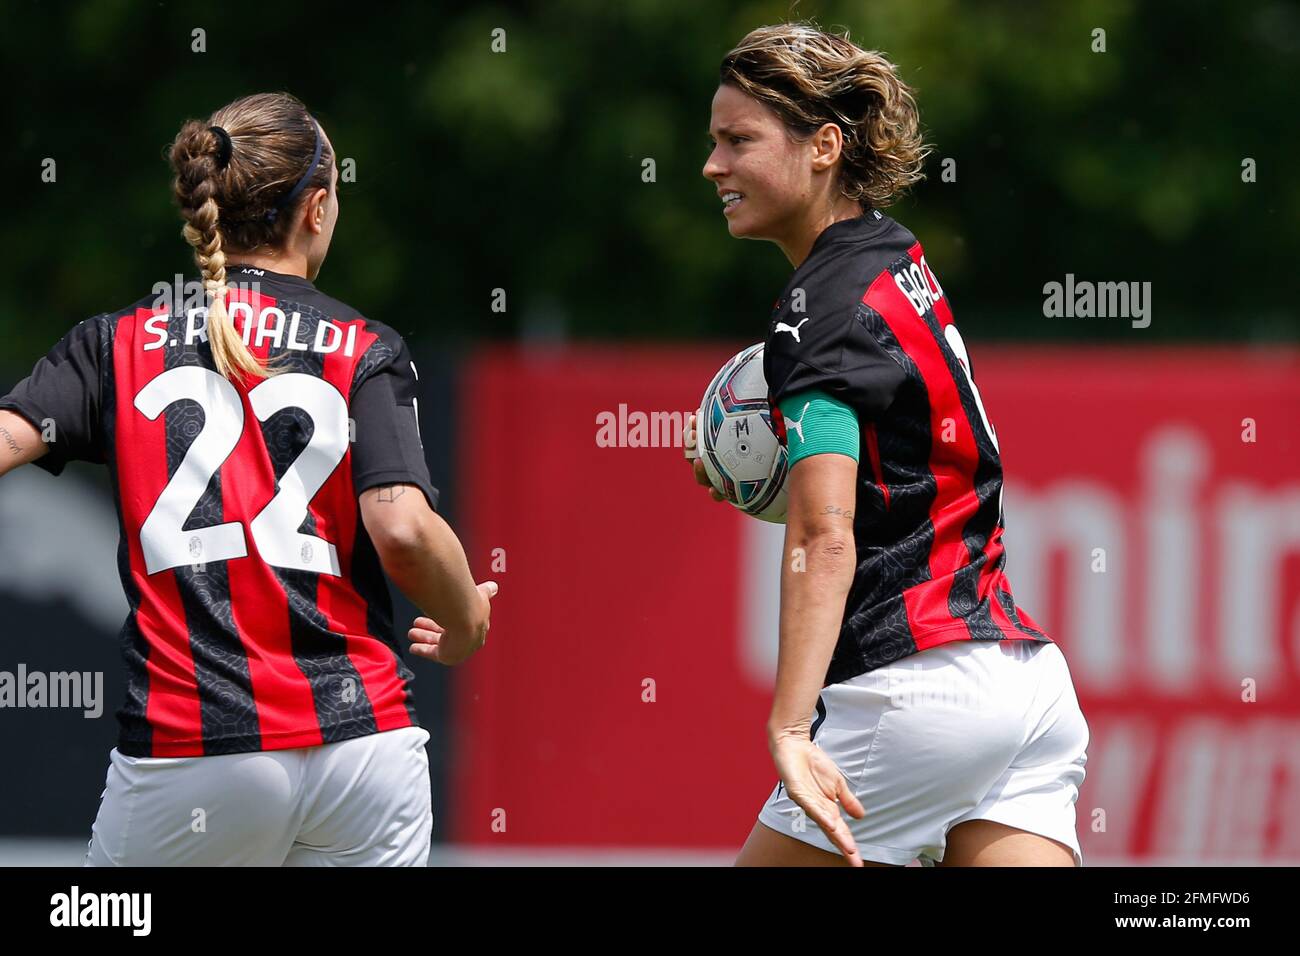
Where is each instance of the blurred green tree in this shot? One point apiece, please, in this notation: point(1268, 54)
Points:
point(521, 169)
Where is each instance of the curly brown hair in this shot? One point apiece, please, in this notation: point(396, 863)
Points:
point(810, 77)
point(236, 205)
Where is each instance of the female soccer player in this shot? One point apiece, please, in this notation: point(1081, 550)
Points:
point(264, 450)
point(910, 689)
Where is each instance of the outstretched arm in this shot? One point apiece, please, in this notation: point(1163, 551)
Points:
point(20, 441)
point(422, 556)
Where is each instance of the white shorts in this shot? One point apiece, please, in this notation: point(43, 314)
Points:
point(969, 730)
point(357, 802)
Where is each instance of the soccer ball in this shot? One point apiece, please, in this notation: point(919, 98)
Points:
point(742, 455)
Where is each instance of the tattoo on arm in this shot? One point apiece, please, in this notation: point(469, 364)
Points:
point(9, 439)
point(390, 492)
point(835, 510)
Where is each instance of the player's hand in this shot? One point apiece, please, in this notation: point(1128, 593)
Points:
point(816, 784)
point(701, 476)
point(430, 640)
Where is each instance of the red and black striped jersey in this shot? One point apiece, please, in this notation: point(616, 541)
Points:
point(864, 320)
point(259, 617)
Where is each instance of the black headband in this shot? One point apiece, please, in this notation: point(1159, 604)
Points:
point(288, 199)
point(223, 150)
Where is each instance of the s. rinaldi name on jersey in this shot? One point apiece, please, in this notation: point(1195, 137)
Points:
point(271, 324)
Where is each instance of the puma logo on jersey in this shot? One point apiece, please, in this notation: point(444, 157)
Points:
point(798, 422)
point(792, 329)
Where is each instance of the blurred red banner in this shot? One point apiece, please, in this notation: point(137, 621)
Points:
point(1152, 506)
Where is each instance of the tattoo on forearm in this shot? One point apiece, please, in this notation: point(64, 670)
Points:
point(14, 447)
point(834, 510)
point(391, 492)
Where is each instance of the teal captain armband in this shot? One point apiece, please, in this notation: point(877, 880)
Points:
point(816, 424)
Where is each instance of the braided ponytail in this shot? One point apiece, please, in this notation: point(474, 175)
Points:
point(194, 156)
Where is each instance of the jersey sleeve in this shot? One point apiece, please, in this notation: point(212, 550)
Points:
point(817, 424)
point(385, 408)
point(62, 398)
point(827, 347)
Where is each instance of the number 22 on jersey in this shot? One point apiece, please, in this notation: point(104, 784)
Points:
point(275, 529)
